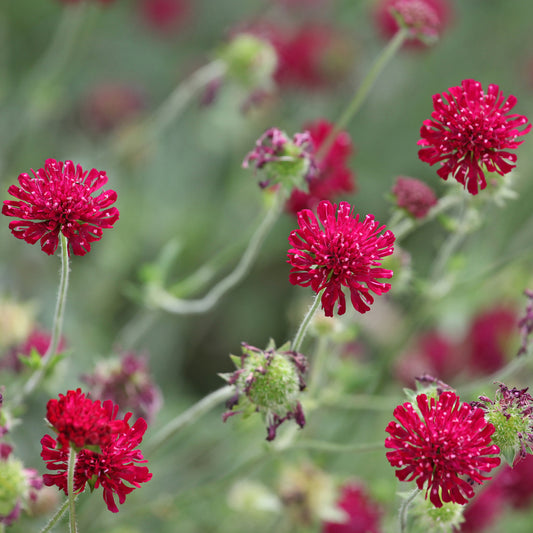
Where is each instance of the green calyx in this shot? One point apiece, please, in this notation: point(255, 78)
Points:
point(250, 61)
point(12, 484)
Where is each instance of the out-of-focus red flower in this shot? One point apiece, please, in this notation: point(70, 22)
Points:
point(333, 177)
point(362, 514)
point(489, 338)
point(425, 19)
point(110, 105)
point(165, 16)
point(414, 196)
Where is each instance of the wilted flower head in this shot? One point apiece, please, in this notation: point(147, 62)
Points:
point(424, 19)
point(127, 382)
point(332, 176)
point(281, 159)
point(339, 252)
point(511, 414)
point(443, 445)
point(362, 514)
point(414, 196)
point(471, 132)
point(81, 422)
point(58, 198)
point(114, 467)
point(18, 486)
point(268, 381)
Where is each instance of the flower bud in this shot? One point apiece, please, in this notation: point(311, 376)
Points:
point(268, 381)
point(250, 60)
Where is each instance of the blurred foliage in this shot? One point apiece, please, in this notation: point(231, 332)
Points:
point(188, 187)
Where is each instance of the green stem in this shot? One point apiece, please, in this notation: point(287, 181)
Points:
point(364, 88)
point(170, 109)
point(302, 330)
point(404, 509)
point(70, 489)
point(47, 358)
point(55, 519)
point(190, 415)
point(451, 245)
point(161, 298)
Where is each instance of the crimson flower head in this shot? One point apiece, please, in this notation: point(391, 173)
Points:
point(340, 251)
point(82, 422)
point(471, 131)
point(443, 444)
point(115, 467)
point(59, 198)
point(332, 176)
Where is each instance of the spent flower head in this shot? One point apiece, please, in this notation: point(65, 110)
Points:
point(282, 160)
point(59, 198)
point(340, 251)
point(511, 414)
point(471, 132)
point(114, 467)
point(442, 444)
point(269, 382)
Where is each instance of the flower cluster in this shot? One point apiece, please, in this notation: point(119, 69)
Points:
point(107, 453)
point(443, 444)
point(471, 131)
point(332, 176)
point(58, 198)
point(340, 251)
point(268, 381)
point(283, 160)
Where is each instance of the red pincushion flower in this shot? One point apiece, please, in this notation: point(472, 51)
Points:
point(333, 176)
point(58, 198)
point(115, 468)
point(414, 196)
point(469, 131)
point(363, 514)
point(344, 252)
point(80, 421)
point(451, 440)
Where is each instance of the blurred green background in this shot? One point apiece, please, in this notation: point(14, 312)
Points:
point(189, 188)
